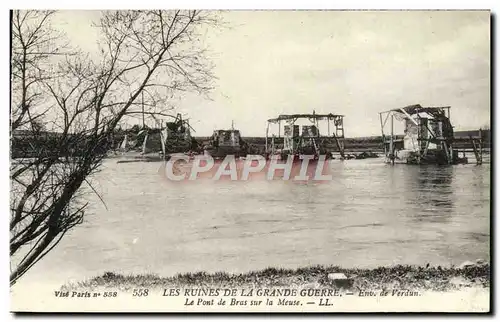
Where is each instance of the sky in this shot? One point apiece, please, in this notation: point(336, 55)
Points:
point(354, 63)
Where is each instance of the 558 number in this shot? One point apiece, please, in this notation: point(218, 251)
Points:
point(140, 292)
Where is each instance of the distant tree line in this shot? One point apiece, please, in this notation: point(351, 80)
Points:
point(47, 143)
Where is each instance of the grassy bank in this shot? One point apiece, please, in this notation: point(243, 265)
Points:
point(401, 277)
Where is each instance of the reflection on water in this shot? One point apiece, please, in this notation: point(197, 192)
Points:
point(435, 192)
point(370, 214)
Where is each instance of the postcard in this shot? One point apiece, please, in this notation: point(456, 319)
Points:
point(250, 161)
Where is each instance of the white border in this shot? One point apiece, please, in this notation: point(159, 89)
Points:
point(258, 4)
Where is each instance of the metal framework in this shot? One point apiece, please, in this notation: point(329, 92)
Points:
point(176, 136)
point(226, 142)
point(309, 140)
point(428, 136)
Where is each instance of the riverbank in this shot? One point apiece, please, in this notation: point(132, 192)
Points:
point(416, 278)
point(25, 146)
point(309, 289)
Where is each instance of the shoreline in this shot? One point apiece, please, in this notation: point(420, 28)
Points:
point(307, 289)
point(407, 277)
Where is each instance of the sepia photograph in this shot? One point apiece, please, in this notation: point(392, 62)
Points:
point(250, 161)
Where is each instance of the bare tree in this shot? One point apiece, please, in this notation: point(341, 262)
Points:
point(33, 45)
point(154, 53)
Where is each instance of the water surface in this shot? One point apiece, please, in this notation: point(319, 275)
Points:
point(371, 214)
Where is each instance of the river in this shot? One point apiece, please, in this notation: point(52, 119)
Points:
point(370, 214)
